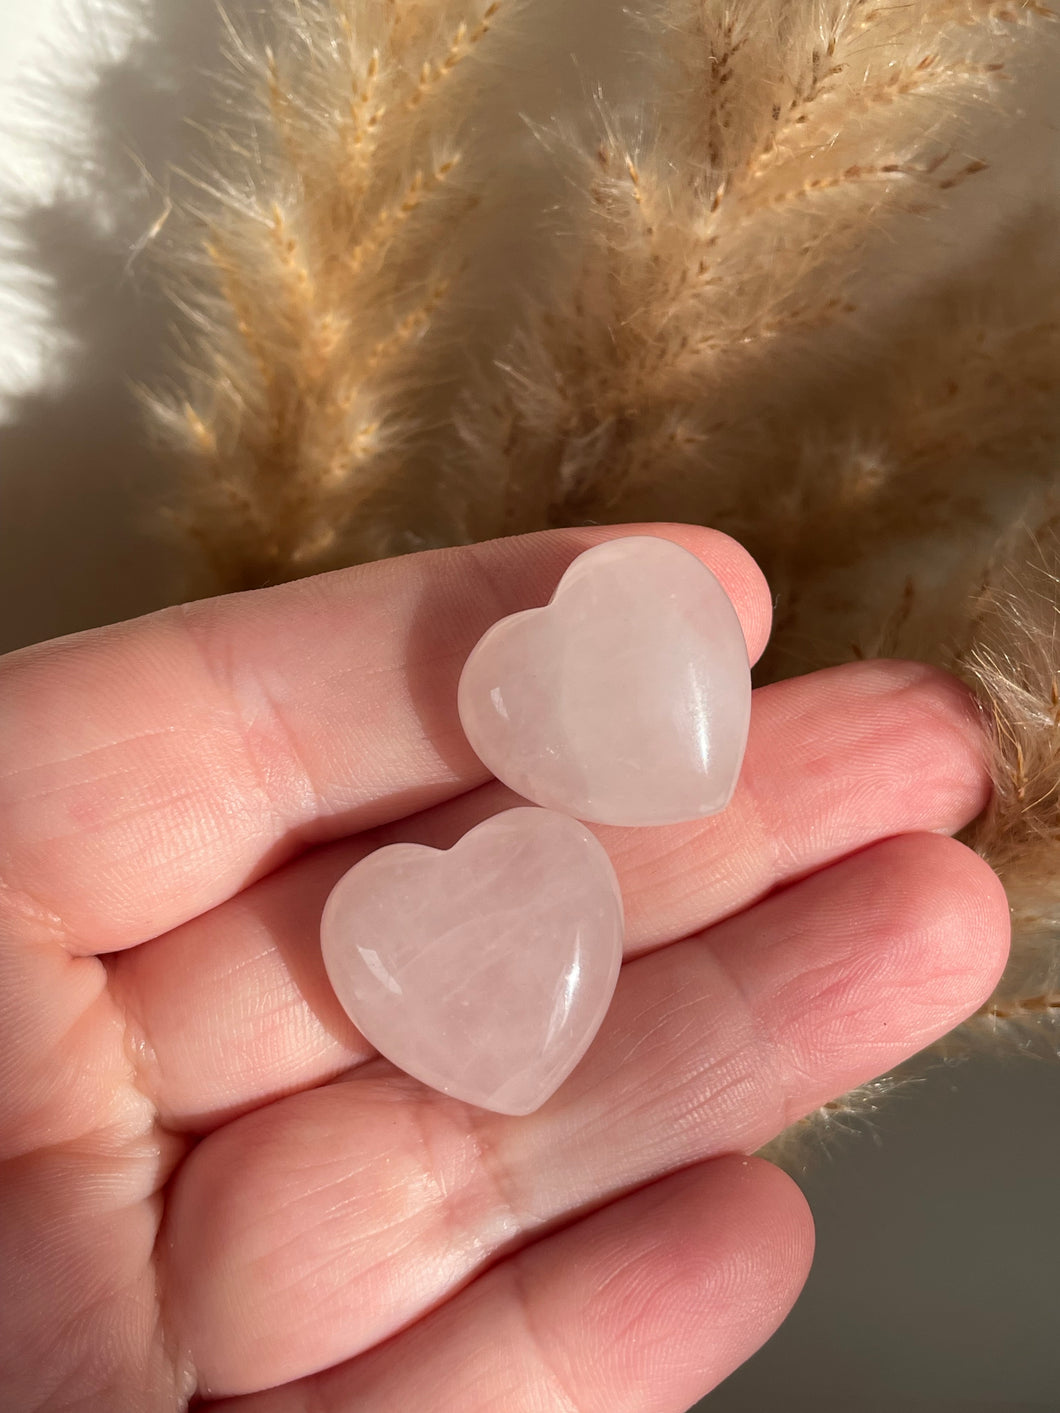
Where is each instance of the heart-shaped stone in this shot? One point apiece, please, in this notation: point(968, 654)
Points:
point(484, 971)
point(626, 700)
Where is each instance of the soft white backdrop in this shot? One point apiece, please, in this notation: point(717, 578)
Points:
point(934, 1289)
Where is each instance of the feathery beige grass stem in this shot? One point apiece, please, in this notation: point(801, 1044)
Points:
point(330, 250)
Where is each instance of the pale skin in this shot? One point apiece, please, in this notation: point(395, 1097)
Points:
point(211, 1185)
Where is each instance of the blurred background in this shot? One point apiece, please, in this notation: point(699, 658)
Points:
point(935, 1286)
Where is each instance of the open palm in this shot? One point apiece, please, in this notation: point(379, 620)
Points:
point(211, 1184)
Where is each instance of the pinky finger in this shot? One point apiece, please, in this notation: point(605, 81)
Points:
point(642, 1307)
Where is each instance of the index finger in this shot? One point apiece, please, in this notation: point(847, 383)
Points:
point(150, 770)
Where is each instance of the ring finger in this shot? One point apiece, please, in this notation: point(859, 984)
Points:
point(320, 1225)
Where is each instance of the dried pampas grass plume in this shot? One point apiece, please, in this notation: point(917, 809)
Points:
point(322, 266)
point(721, 271)
point(1013, 662)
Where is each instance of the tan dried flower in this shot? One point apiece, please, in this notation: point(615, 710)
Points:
point(1013, 661)
point(721, 283)
point(320, 279)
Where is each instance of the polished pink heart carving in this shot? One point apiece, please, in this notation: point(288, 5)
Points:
point(484, 971)
point(626, 700)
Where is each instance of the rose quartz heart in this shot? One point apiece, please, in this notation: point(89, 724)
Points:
point(484, 971)
point(626, 700)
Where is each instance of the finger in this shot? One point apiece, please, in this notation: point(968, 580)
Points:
point(640, 1308)
point(150, 770)
point(285, 1224)
point(235, 1009)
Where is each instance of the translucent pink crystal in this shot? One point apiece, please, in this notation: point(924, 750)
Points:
point(626, 700)
point(484, 971)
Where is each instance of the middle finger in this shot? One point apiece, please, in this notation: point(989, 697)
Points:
point(234, 1008)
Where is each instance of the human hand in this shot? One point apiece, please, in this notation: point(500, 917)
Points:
point(211, 1183)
